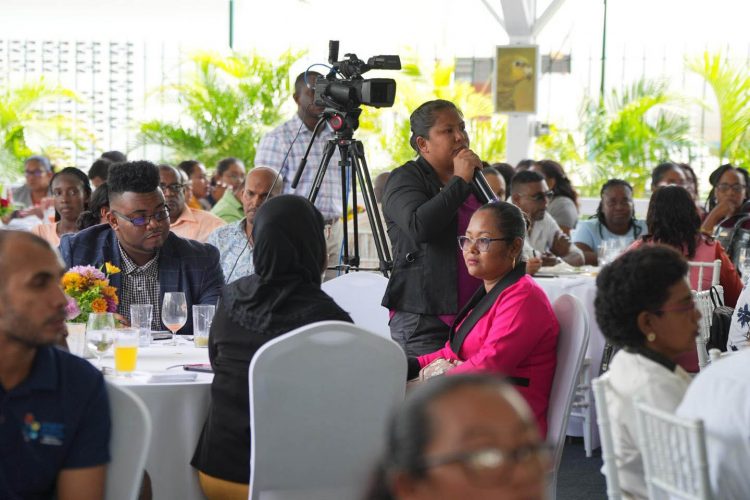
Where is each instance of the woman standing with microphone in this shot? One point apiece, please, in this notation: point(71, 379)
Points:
point(428, 203)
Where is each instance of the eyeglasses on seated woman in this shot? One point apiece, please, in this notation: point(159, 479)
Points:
point(508, 326)
point(468, 436)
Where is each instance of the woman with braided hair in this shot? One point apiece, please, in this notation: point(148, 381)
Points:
point(614, 219)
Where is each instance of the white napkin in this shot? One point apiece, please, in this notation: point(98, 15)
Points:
point(172, 376)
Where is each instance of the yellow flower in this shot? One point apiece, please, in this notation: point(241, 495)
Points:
point(100, 283)
point(111, 268)
point(71, 281)
point(99, 305)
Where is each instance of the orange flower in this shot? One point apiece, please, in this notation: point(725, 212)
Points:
point(99, 305)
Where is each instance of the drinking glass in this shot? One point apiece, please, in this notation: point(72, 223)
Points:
point(203, 315)
point(100, 334)
point(174, 312)
point(603, 253)
point(140, 318)
point(126, 350)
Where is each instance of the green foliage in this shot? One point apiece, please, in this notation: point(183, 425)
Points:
point(25, 130)
point(419, 82)
point(731, 86)
point(226, 106)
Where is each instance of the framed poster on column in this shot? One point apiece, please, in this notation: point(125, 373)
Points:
point(515, 78)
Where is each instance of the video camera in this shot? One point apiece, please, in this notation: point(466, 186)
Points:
point(349, 91)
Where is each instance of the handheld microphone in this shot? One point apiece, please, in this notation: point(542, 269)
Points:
point(480, 181)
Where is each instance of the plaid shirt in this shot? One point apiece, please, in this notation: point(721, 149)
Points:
point(140, 285)
point(274, 146)
point(235, 250)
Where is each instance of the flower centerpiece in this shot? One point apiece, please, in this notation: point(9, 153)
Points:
point(6, 201)
point(89, 291)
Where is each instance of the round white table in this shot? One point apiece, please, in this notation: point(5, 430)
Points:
point(178, 410)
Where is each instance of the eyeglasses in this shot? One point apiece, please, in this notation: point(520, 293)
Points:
point(724, 187)
point(678, 308)
point(548, 195)
point(491, 466)
point(175, 188)
point(145, 219)
point(483, 244)
point(34, 173)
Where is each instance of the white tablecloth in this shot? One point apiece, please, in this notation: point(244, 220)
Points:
point(178, 411)
point(584, 289)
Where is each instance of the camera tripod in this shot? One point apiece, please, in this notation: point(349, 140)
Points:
point(353, 166)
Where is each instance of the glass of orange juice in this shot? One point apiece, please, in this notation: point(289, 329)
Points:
point(126, 351)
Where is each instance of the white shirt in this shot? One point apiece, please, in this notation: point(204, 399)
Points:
point(637, 377)
point(720, 396)
point(739, 328)
point(542, 236)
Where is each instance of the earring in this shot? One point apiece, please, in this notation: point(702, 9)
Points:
point(514, 263)
point(651, 337)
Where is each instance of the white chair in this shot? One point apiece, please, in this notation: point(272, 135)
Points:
point(360, 294)
point(583, 405)
point(698, 268)
point(674, 454)
point(706, 307)
point(605, 435)
point(129, 444)
point(571, 348)
point(320, 400)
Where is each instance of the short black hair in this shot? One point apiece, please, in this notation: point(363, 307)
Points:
point(92, 216)
point(525, 177)
point(100, 168)
point(658, 173)
point(134, 177)
point(425, 116)
point(508, 217)
point(525, 164)
point(635, 282)
point(115, 156)
point(299, 82)
point(76, 174)
point(188, 166)
point(224, 165)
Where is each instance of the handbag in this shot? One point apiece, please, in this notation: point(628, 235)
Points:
point(721, 320)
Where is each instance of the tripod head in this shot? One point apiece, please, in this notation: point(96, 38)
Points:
point(343, 123)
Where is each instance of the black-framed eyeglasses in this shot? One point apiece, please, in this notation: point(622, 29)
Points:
point(724, 187)
point(144, 219)
point(34, 173)
point(483, 244)
point(491, 466)
point(548, 195)
point(175, 188)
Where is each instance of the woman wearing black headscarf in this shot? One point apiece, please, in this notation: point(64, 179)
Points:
point(289, 255)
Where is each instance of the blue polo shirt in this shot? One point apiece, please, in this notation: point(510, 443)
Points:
point(58, 418)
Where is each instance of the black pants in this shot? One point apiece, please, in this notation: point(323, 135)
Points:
point(418, 334)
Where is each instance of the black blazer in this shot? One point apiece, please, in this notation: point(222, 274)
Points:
point(422, 220)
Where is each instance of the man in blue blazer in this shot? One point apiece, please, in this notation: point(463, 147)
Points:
point(137, 239)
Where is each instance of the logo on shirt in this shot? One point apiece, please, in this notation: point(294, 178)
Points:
point(49, 433)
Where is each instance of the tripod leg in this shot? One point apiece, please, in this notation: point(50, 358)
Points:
point(320, 174)
point(352, 163)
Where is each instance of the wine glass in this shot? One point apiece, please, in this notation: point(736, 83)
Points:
point(100, 334)
point(174, 312)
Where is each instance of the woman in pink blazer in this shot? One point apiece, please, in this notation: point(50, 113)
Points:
point(508, 326)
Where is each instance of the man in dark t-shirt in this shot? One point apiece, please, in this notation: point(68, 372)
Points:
point(54, 412)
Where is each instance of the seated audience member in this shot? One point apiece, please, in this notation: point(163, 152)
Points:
point(727, 197)
point(563, 207)
point(34, 192)
point(468, 436)
point(667, 174)
point(114, 156)
point(198, 180)
point(55, 417)
point(184, 221)
point(234, 240)
point(137, 239)
point(507, 171)
point(230, 173)
point(496, 181)
point(692, 187)
point(508, 326)
point(283, 294)
point(719, 397)
point(97, 210)
point(644, 305)
point(739, 327)
point(614, 220)
point(546, 239)
point(71, 192)
point(672, 220)
point(524, 165)
point(98, 172)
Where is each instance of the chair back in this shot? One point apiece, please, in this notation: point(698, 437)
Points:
point(572, 343)
point(320, 400)
point(699, 274)
point(605, 435)
point(129, 444)
point(706, 307)
point(360, 294)
point(674, 454)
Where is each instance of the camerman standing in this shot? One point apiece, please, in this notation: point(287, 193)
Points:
point(293, 136)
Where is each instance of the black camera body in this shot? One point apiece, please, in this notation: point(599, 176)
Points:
point(344, 89)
